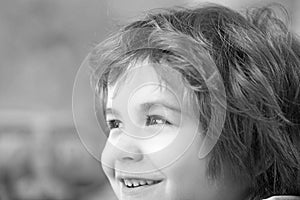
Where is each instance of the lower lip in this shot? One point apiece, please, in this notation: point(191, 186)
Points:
point(140, 191)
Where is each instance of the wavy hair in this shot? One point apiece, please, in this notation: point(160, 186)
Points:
point(258, 59)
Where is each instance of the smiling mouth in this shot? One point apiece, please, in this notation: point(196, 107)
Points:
point(135, 183)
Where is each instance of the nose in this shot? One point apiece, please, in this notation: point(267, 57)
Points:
point(124, 149)
point(128, 150)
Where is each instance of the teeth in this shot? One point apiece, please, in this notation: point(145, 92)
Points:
point(149, 182)
point(128, 183)
point(136, 183)
point(142, 182)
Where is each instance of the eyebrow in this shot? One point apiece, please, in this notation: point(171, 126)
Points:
point(147, 105)
point(112, 111)
point(169, 106)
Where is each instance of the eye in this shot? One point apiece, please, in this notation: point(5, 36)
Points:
point(156, 120)
point(114, 123)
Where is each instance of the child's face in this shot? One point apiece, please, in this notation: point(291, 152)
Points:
point(153, 146)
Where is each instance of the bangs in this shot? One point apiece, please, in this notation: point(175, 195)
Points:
point(118, 73)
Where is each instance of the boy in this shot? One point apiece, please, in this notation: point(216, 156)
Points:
point(200, 104)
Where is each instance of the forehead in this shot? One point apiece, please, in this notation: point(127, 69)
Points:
point(145, 80)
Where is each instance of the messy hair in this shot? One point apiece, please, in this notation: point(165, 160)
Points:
point(258, 60)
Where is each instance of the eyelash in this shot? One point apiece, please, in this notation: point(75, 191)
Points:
point(151, 120)
point(113, 123)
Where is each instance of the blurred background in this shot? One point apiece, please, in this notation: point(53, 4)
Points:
point(42, 44)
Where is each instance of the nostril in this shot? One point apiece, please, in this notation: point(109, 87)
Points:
point(127, 158)
point(131, 153)
point(132, 157)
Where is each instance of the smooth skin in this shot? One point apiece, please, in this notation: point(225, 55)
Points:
point(155, 135)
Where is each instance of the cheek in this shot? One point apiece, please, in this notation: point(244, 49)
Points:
point(187, 176)
point(107, 160)
point(178, 148)
point(185, 172)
